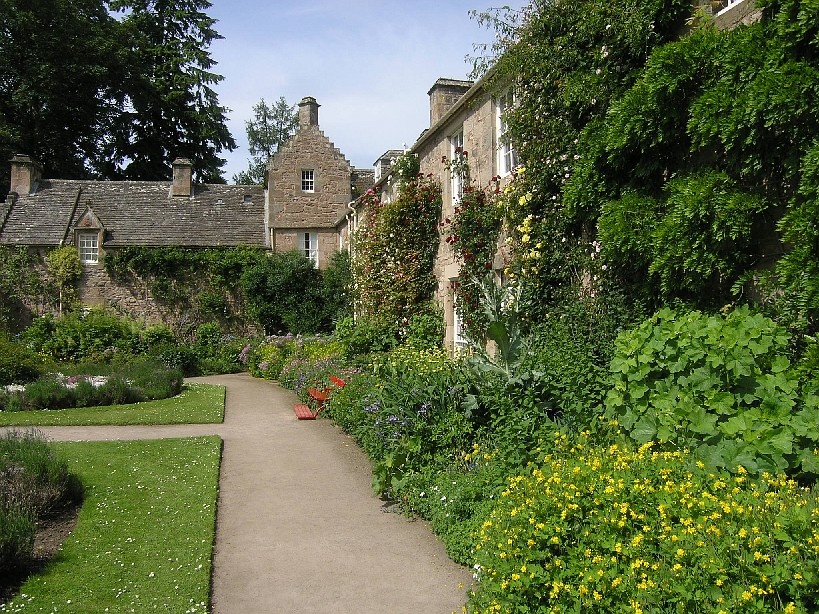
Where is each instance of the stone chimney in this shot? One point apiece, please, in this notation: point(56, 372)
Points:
point(443, 96)
point(308, 112)
point(25, 173)
point(182, 177)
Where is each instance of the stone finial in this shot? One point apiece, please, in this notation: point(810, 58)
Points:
point(182, 177)
point(308, 112)
point(25, 173)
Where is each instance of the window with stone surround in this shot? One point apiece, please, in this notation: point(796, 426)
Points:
point(456, 144)
point(309, 246)
point(308, 180)
point(88, 244)
point(507, 156)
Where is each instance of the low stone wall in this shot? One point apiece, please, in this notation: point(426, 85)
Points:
point(98, 290)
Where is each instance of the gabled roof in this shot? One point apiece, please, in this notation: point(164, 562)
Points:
point(137, 213)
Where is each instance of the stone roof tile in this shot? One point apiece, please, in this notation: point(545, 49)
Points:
point(138, 213)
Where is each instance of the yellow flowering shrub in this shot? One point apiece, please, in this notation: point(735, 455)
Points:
point(619, 529)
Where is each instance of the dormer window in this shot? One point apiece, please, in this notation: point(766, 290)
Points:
point(308, 181)
point(88, 244)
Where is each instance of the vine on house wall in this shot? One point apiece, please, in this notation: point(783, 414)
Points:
point(570, 61)
point(193, 285)
point(395, 251)
point(472, 232)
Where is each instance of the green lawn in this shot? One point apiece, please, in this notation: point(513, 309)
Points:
point(144, 539)
point(198, 404)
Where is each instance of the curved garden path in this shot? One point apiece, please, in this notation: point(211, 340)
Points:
point(298, 529)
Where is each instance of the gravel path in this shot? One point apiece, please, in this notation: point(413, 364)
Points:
point(298, 529)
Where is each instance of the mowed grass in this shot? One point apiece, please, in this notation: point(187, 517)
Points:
point(145, 534)
point(197, 404)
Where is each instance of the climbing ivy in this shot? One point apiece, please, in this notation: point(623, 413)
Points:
point(395, 251)
point(193, 285)
point(472, 233)
point(569, 61)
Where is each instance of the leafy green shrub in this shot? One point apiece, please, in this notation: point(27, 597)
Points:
point(47, 393)
point(720, 385)
point(140, 380)
point(94, 335)
point(151, 380)
point(415, 415)
point(284, 292)
point(614, 529)
point(176, 356)
point(18, 364)
point(366, 336)
point(269, 357)
point(456, 499)
point(17, 532)
point(425, 330)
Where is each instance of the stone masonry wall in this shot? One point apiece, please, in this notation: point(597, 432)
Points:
point(98, 290)
point(328, 242)
point(290, 207)
point(477, 118)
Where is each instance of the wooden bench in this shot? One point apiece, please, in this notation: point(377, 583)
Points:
point(303, 412)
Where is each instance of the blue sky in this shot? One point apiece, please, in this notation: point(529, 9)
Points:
point(368, 63)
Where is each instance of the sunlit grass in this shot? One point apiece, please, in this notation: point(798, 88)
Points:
point(144, 539)
point(197, 404)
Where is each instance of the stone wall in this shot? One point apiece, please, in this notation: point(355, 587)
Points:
point(743, 13)
point(290, 207)
point(327, 239)
point(97, 289)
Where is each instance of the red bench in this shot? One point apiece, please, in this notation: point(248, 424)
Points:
point(303, 412)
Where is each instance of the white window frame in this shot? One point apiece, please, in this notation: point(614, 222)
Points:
point(459, 342)
point(507, 154)
point(308, 180)
point(729, 4)
point(309, 246)
point(88, 245)
point(457, 185)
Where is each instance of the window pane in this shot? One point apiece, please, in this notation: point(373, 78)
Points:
point(308, 183)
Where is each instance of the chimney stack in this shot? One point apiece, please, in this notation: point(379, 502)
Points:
point(308, 112)
point(25, 173)
point(443, 95)
point(182, 177)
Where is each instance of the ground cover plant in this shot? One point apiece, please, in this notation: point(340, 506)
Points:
point(722, 385)
point(34, 484)
point(144, 537)
point(142, 379)
point(198, 403)
point(625, 529)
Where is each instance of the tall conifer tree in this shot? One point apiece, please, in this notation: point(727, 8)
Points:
point(171, 110)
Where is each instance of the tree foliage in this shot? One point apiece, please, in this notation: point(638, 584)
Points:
point(172, 109)
point(271, 127)
point(61, 70)
point(89, 95)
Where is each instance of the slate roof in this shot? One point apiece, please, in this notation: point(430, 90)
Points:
point(136, 213)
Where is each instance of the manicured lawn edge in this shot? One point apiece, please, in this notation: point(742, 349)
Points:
point(145, 535)
point(198, 403)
